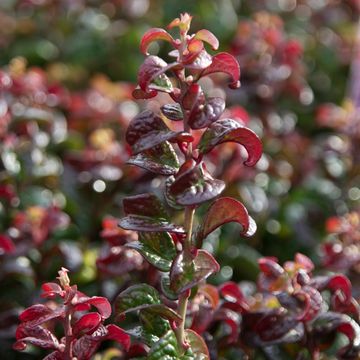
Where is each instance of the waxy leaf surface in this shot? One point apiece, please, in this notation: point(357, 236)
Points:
point(222, 211)
point(153, 35)
point(185, 273)
point(194, 185)
point(225, 63)
point(204, 115)
point(147, 130)
point(157, 248)
point(161, 159)
point(172, 112)
point(229, 130)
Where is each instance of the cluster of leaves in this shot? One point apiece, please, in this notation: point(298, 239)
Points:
point(83, 330)
point(341, 248)
point(62, 174)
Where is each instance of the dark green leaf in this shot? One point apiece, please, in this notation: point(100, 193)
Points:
point(157, 248)
point(161, 159)
point(172, 112)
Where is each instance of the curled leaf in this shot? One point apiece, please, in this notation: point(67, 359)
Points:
point(152, 75)
point(225, 63)
point(154, 35)
point(209, 37)
point(222, 211)
point(225, 130)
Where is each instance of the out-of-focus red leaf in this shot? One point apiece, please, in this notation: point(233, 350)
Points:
point(6, 244)
point(231, 292)
point(225, 63)
point(229, 130)
point(153, 35)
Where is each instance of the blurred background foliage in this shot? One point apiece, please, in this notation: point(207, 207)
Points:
point(67, 71)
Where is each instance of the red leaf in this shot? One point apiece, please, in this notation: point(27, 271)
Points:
point(270, 267)
point(229, 130)
point(119, 335)
point(186, 273)
point(101, 303)
point(87, 323)
point(231, 292)
point(6, 244)
point(222, 211)
point(147, 130)
point(50, 290)
point(154, 35)
point(209, 37)
point(226, 63)
point(193, 185)
point(38, 314)
point(35, 335)
point(155, 68)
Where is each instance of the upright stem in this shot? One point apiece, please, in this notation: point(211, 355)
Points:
point(68, 334)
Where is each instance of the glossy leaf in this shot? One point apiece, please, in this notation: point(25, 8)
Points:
point(34, 335)
point(135, 296)
point(204, 115)
point(197, 345)
point(39, 313)
point(165, 348)
point(153, 323)
point(157, 248)
point(229, 130)
point(193, 185)
point(222, 211)
point(165, 288)
point(87, 323)
point(185, 273)
point(153, 35)
point(146, 213)
point(152, 76)
point(161, 159)
point(172, 112)
point(225, 63)
point(147, 130)
point(140, 334)
point(102, 304)
point(209, 37)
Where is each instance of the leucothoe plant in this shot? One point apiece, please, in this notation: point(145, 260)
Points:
point(175, 249)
